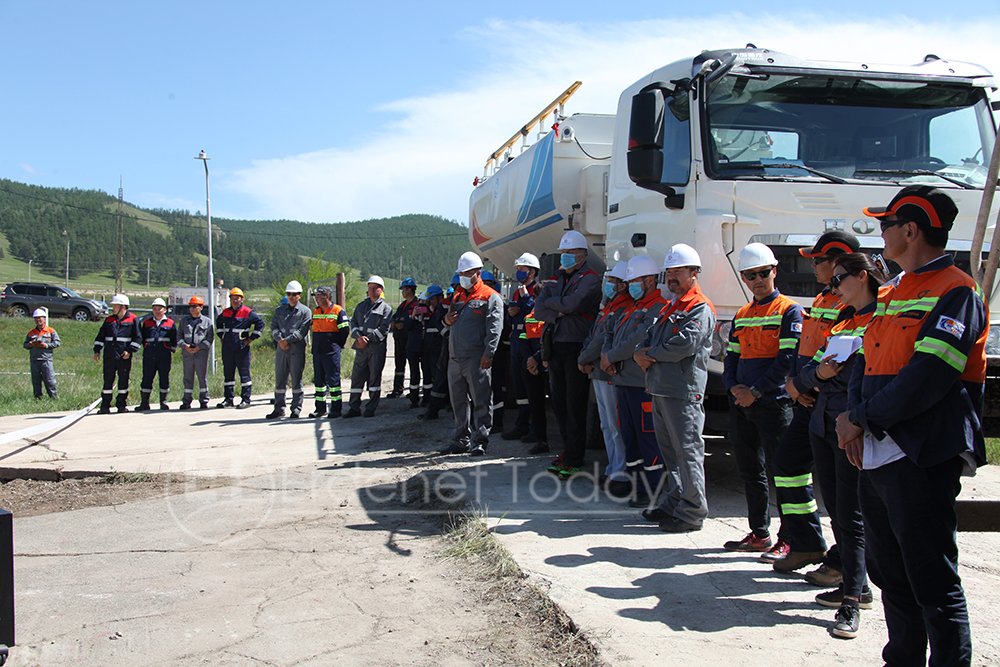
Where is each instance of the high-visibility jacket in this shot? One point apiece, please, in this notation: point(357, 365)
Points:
point(924, 366)
point(330, 327)
point(118, 335)
point(762, 344)
point(158, 336)
point(816, 324)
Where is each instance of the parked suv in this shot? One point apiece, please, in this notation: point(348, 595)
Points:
point(21, 299)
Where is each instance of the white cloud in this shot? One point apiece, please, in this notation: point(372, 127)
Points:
point(425, 160)
point(28, 168)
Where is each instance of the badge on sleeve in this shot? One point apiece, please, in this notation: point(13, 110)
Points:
point(951, 326)
point(797, 327)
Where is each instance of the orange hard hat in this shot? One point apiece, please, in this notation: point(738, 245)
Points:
point(196, 301)
point(236, 291)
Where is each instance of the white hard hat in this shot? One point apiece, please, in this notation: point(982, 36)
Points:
point(377, 280)
point(293, 286)
point(40, 312)
point(527, 259)
point(681, 255)
point(641, 266)
point(572, 240)
point(620, 271)
point(119, 300)
point(159, 302)
point(468, 261)
point(755, 255)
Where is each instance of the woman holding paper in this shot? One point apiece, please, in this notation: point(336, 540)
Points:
point(856, 280)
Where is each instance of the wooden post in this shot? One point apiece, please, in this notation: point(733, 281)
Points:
point(341, 289)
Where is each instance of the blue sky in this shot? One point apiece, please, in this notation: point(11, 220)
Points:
point(335, 111)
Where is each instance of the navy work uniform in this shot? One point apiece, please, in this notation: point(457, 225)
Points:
point(400, 335)
point(159, 342)
point(237, 328)
point(430, 352)
point(519, 353)
point(330, 329)
point(116, 337)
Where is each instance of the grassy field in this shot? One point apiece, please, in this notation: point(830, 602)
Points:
point(79, 377)
point(993, 450)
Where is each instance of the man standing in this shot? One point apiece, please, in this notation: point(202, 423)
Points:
point(400, 334)
point(370, 330)
point(568, 305)
point(521, 303)
point(237, 326)
point(159, 342)
point(119, 337)
point(761, 351)
point(330, 328)
point(675, 357)
point(914, 428)
point(474, 320)
point(40, 342)
point(430, 349)
point(196, 335)
point(289, 328)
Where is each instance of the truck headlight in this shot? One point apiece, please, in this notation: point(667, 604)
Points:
point(993, 340)
point(720, 341)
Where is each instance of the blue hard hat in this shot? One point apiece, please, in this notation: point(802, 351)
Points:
point(433, 290)
point(488, 277)
point(408, 282)
point(455, 280)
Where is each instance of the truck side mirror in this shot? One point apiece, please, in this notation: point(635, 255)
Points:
point(645, 141)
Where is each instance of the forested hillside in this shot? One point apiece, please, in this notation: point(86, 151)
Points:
point(38, 222)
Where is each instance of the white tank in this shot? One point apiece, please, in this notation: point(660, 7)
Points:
point(527, 203)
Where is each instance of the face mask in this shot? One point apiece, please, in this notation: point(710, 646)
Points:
point(567, 260)
point(465, 281)
point(635, 290)
point(521, 276)
point(609, 289)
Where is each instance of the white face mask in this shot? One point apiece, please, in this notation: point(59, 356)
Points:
point(465, 282)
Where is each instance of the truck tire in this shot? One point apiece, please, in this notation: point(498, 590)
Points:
point(81, 315)
point(18, 310)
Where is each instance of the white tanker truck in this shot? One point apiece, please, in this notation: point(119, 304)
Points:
point(741, 145)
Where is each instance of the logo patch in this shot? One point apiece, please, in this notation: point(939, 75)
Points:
point(951, 326)
point(796, 327)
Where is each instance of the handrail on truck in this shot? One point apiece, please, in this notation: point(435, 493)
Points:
point(557, 103)
point(987, 276)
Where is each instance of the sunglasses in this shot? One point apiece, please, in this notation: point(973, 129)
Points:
point(837, 279)
point(754, 275)
point(886, 224)
point(819, 260)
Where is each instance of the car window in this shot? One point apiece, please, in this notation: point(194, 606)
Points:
point(34, 290)
point(55, 292)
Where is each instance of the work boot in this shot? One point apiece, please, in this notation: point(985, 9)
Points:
point(539, 448)
point(353, 412)
point(143, 406)
point(514, 434)
point(204, 405)
point(244, 404)
point(225, 403)
point(164, 406)
point(185, 406)
point(122, 409)
point(105, 410)
point(394, 394)
point(798, 559)
point(320, 410)
point(277, 413)
point(294, 414)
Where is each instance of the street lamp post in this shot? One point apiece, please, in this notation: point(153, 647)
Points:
point(211, 276)
point(66, 234)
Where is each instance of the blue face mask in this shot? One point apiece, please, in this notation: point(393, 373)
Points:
point(521, 276)
point(609, 289)
point(635, 290)
point(567, 260)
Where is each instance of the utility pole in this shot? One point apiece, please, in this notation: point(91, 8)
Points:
point(147, 274)
point(66, 234)
point(211, 276)
point(29, 269)
point(196, 267)
point(119, 267)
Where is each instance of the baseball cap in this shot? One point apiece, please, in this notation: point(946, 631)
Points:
point(834, 241)
point(923, 204)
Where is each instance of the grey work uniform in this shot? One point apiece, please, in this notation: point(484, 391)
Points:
point(474, 335)
point(681, 342)
point(290, 324)
point(41, 359)
point(370, 319)
point(198, 332)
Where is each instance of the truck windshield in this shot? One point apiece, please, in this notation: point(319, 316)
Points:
point(852, 128)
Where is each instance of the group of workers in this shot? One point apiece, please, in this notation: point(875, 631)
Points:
point(888, 426)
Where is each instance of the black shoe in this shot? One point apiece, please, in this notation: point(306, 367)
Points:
point(203, 405)
point(478, 449)
point(276, 414)
point(122, 410)
point(539, 448)
point(620, 488)
point(394, 394)
point(516, 434)
point(164, 406)
point(352, 413)
point(369, 413)
point(656, 515)
point(104, 411)
point(317, 414)
point(640, 501)
point(294, 414)
point(455, 448)
point(333, 414)
point(243, 405)
point(529, 438)
point(227, 403)
point(847, 621)
point(430, 414)
point(673, 525)
point(185, 406)
point(833, 599)
point(143, 407)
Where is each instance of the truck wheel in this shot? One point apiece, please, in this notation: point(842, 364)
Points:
point(18, 310)
point(81, 315)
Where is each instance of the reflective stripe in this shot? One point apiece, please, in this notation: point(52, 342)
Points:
point(146, 391)
point(343, 325)
point(123, 391)
point(658, 466)
point(229, 384)
point(637, 462)
point(799, 508)
point(793, 482)
point(188, 391)
point(522, 401)
point(356, 391)
point(432, 331)
point(942, 351)
point(763, 321)
point(787, 343)
point(895, 307)
point(734, 347)
point(107, 391)
point(246, 384)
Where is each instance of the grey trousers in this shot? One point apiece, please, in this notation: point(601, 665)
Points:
point(367, 369)
point(290, 362)
point(678, 424)
point(42, 373)
point(466, 380)
point(195, 364)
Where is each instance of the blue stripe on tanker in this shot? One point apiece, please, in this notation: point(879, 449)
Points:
point(554, 218)
point(538, 198)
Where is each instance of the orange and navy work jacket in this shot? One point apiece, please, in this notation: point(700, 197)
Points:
point(118, 335)
point(924, 366)
point(158, 337)
point(816, 324)
point(330, 329)
point(232, 325)
point(762, 344)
